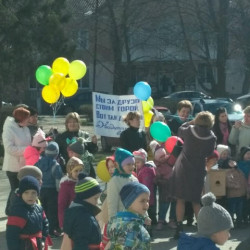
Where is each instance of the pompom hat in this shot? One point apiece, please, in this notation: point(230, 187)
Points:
point(39, 139)
point(86, 187)
point(141, 154)
point(27, 183)
point(52, 149)
point(77, 146)
point(212, 217)
point(123, 157)
point(131, 191)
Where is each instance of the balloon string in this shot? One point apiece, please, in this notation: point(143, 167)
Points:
point(55, 106)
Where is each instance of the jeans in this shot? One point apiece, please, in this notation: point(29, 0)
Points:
point(163, 208)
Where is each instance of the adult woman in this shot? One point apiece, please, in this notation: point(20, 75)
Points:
point(72, 125)
point(189, 170)
point(240, 133)
point(132, 138)
point(222, 126)
point(16, 137)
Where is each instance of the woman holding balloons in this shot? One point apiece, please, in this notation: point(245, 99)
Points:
point(189, 169)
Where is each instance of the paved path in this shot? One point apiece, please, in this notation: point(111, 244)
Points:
point(162, 239)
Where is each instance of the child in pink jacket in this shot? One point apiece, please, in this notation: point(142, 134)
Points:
point(67, 186)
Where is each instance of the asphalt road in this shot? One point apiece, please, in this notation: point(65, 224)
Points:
point(161, 239)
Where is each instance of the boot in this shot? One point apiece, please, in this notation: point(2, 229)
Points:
point(178, 230)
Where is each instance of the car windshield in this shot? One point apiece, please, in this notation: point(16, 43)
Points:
point(212, 107)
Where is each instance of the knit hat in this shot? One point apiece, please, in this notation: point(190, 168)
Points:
point(52, 149)
point(110, 158)
point(131, 191)
point(123, 157)
point(215, 154)
point(39, 139)
point(141, 154)
point(27, 183)
point(72, 163)
point(221, 148)
point(158, 151)
point(77, 146)
point(212, 217)
point(20, 114)
point(30, 170)
point(243, 151)
point(86, 187)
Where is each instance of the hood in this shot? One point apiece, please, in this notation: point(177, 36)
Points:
point(46, 163)
point(195, 242)
point(67, 180)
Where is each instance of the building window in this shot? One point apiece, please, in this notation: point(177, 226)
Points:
point(82, 39)
point(205, 73)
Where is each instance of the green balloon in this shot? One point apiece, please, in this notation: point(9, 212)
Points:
point(43, 74)
point(160, 131)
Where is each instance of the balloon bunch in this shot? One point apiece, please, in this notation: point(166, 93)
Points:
point(60, 80)
point(142, 91)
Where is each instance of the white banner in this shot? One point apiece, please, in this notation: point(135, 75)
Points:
point(109, 110)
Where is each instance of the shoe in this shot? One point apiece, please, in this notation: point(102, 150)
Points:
point(159, 226)
point(178, 230)
point(172, 224)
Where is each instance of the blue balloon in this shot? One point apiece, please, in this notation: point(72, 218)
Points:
point(142, 91)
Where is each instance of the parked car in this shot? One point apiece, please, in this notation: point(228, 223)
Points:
point(244, 100)
point(234, 110)
point(109, 142)
point(74, 103)
point(171, 100)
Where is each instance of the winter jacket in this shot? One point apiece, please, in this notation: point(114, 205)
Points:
point(65, 138)
point(244, 166)
point(81, 225)
point(194, 242)
point(25, 219)
point(126, 231)
point(15, 140)
point(236, 183)
point(115, 185)
point(146, 176)
point(52, 172)
point(133, 139)
point(65, 196)
point(31, 155)
point(240, 136)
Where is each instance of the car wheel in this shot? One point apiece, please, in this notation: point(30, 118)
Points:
point(105, 146)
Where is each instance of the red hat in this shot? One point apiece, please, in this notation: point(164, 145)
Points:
point(111, 158)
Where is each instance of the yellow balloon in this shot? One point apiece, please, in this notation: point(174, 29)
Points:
point(60, 65)
point(57, 80)
point(148, 105)
point(77, 69)
point(50, 94)
point(70, 88)
point(102, 171)
point(147, 118)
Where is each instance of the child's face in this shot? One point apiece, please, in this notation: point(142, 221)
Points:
point(221, 237)
point(139, 163)
point(224, 155)
point(140, 204)
point(30, 196)
point(128, 168)
point(111, 167)
point(247, 156)
point(183, 113)
point(211, 163)
point(93, 199)
point(75, 172)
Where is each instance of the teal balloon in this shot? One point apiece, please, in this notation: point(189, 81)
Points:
point(142, 91)
point(160, 131)
point(43, 73)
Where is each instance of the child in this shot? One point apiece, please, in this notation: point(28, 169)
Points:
point(52, 175)
point(244, 166)
point(67, 186)
point(214, 223)
point(39, 143)
point(236, 185)
point(77, 149)
point(224, 153)
point(189, 170)
point(27, 224)
point(80, 224)
point(126, 230)
point(163, 172)
point(146, 174)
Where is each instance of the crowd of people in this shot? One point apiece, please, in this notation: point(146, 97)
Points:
point(54, 191)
